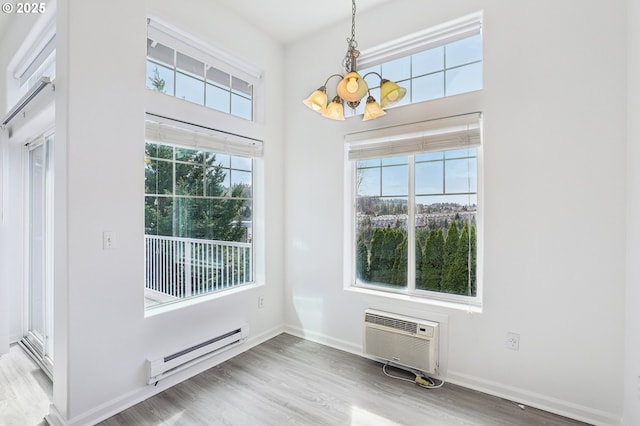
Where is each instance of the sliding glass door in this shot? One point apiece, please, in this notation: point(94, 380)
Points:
point(39, 335)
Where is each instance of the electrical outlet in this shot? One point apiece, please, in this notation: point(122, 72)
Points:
point(513, 341)
point(260, 302)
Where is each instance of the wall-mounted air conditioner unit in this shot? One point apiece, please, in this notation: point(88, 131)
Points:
point(402, 340)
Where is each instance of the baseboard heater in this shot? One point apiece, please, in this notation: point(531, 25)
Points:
point(407, 341)
point(178, 361)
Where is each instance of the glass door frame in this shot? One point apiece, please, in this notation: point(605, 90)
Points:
point(39, 342)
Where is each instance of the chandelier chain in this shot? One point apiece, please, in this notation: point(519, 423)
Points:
point(351, 42)
point(353, 23)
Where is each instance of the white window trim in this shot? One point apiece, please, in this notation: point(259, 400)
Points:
point(190, 45)
point(176, 132)
point(33, 51)
point(438, 35)
point(432, 135)
point(419, 135)
point(173, 132)
point(37, 51)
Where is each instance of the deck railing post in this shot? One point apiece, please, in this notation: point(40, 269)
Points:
point(188, 262)
point(182, 267)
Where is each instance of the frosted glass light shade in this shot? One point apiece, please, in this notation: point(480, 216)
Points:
point(352, 87)
point(335, 110)
point(372, 110)
point(390, 93)
point(317, 101)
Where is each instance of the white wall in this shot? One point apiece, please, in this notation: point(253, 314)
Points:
point(554, 179)
point(632, 338)
point(102, 337)
point(554, 144)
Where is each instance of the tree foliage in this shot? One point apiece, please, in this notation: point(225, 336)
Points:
point(384, 255)
point(444, 262)
point(448, 283)
point(432, 261)
point(399, 274)
point(185, 211)
point(157, 82)
point(362, 261)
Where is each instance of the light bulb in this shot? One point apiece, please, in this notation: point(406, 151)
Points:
point(352, 85)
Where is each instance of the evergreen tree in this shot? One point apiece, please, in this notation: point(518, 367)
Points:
point(362, 261)
point(450, 249)
point(400, 264)
point(387, 255)
point(384, 254)
point(432, 261)
point(458, 275)
point(474, 257)
point(191, 215)
point(375, 254)
point(421, 240)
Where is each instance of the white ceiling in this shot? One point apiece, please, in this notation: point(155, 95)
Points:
point(284, 20)
point(289, 20)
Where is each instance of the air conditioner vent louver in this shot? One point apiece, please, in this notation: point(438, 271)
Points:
point(398, 324)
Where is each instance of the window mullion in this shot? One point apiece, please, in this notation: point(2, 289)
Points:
point(411, 229)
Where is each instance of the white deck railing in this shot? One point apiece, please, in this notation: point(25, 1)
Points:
point(185, 267)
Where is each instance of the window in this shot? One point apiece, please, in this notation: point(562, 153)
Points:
point(198, 212)
point(176, 74)
point(439, 62)
point(181, 66)
point(416, 186)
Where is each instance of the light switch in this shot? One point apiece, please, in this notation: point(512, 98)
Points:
point(108, 240)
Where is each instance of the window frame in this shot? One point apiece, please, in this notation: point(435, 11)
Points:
point(190, 46)
point(180, 134)
point(420, 42)
point(383, 139)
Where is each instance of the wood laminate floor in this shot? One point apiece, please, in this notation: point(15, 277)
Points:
point(291, 381)
point(25, 391)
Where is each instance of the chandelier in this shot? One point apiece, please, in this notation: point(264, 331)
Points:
point(352, 87)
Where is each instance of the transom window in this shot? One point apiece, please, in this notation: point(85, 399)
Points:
point(418, 189)
point(176, 74)
point(435, 73)
point(438, 62)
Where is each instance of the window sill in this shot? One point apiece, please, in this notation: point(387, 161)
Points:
point(168, 307)
point(459, 306)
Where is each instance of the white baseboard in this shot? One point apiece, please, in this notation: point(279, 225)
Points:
point(323, 339)
point(532, 399)
point(54, 418)
point(552, 405)
point(115, 406)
